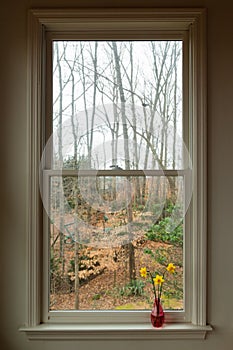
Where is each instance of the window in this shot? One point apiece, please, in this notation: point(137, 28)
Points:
point(117, 116)
point(87, 186)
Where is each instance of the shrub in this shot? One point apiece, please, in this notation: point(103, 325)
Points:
point(167, 231)
point(134, 288)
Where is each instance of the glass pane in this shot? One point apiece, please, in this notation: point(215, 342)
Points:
point(117, 104)
point(103, 230)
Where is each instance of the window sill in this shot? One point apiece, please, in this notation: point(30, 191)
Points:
point(114, 331)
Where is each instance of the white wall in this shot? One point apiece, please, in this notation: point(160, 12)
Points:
point(13, 131)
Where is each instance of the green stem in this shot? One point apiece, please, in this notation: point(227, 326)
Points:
point(158, 302)
point(161, 288)
point(153, 285)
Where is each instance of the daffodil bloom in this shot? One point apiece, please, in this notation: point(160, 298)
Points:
point(158, 280)
point(143, 272)
point(171, 268)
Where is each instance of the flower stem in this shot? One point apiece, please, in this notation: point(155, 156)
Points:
point(161, 288)
point(152, 281)
point(158, 302)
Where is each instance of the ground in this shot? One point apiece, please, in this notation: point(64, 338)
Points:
point(108, 289)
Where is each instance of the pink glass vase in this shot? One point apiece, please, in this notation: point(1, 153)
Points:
point(157, 314)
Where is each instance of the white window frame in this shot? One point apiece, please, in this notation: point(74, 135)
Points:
point(118, 24)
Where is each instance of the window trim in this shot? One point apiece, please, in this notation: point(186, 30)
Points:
point(138, 22)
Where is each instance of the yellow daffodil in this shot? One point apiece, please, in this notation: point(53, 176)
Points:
point(171, 268)
point(158, 280)
point(143, 272)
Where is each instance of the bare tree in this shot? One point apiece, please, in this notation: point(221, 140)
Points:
point(101, 73)
point(132, 81)
point(132, 272)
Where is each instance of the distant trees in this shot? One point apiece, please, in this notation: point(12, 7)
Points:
point(109, 95)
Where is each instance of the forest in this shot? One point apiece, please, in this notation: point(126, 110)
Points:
point(116, 162)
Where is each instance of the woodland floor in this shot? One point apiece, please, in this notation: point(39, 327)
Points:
point(107, 291)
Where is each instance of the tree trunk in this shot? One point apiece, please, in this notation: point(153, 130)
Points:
point(132, 272)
